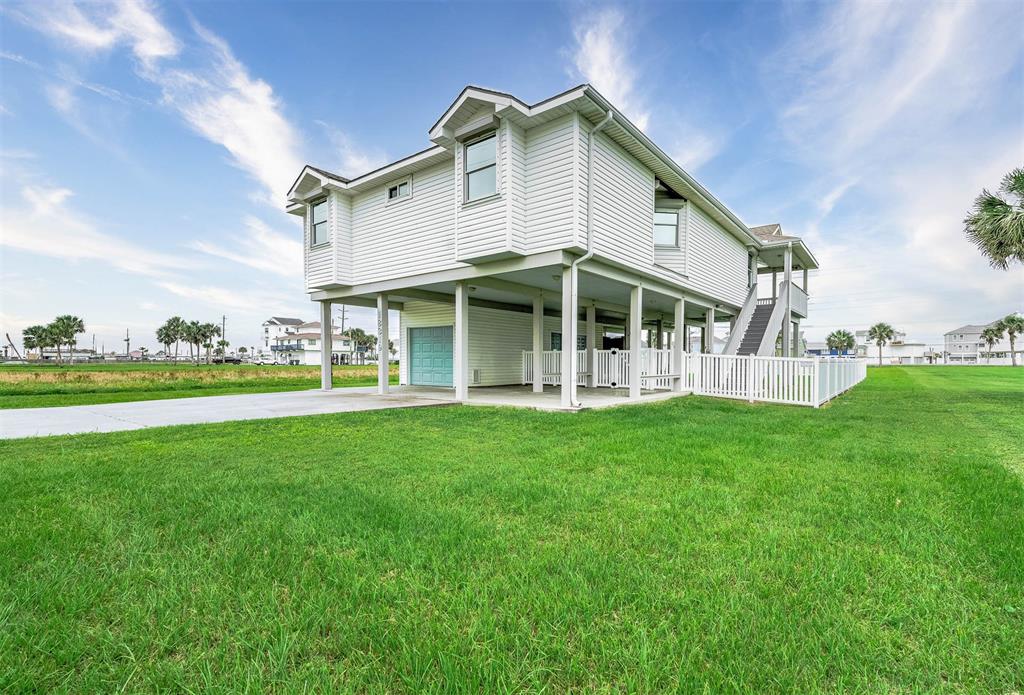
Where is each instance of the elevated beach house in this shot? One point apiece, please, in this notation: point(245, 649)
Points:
point(537, 244)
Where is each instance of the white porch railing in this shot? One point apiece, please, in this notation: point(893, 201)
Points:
point(807, 381)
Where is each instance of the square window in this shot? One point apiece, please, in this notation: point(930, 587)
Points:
point(666, 224)
point(399, 190)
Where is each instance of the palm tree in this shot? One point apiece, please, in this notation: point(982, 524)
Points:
point(881, 333)
point(1014, 326)
point(840, 340)
point(166, 336)
point(191, 333)
point(209, 331)
point(992, 335)
point(65, 330)
point(176, 325)
point(996, 223)
point(36, 338)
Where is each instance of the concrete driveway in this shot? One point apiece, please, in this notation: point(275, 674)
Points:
point(114, 417)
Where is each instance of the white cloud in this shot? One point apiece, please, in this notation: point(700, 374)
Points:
point(261, 248)
point(71, 235)
point(601, 57)
point(224, 298)
point(694, 149)
point(62, 98)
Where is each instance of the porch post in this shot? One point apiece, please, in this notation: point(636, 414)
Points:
point(461, 362)
point(636, 305)
point(679, 316)
point(382, 343)
point(753, 268)
point(805, 282)
point(775, 285)
point(659, 342)
point(591, 343)
point(796, 338)
point(538, 343)
point(709, 331)
point(567, 358)
point(787, 321)
point(326, 346)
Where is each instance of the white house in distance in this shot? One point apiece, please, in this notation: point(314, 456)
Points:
point(897, 351)
point(275, 327)
point(526, 228)
point(964, 345)
point(305, 344)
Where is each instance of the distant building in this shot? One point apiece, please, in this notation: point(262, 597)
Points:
point(897, 351)
point(303, 347)
point(964, 345)
point(275, 327)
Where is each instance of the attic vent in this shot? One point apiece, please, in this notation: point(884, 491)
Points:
point(476, 376)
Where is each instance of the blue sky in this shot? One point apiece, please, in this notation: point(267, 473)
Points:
point(146, 148)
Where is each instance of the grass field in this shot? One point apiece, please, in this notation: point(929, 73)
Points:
point(701, 545)
point(26, 386)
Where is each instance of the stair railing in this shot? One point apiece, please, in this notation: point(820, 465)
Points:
point(739, 329)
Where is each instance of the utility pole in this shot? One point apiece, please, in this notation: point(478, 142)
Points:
point(343, 333)
point(224, 335)
point(127, 344)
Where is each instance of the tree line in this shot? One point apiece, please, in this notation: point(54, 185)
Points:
point(63, 331)
point(195, 334)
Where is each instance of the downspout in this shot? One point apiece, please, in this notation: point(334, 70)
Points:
point(574, 267)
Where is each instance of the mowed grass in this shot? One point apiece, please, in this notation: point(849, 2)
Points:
point(29, 386)
point(696, 545)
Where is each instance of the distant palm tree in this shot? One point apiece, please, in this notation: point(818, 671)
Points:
point(36, 338)
point(166, 336)
point(992, 335)
point(192, 333)
point(881, 333)
point(65, 329)
point(1014, 326)
point(209, 331)
point(840, 340)
point(996, 223)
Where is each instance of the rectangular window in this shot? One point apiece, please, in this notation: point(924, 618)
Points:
point(666, 227)
point(312, 343)
point(399, 190)
point(556, 342)
point(481, 168)
point(319, 230)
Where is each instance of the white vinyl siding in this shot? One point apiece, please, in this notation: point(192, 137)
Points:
point(623, 205)
point(516, 177)
point(549, 185)
point(342, 208)
point(718, 262)
point(395, 240)
point(319, 259)
point(483, 224)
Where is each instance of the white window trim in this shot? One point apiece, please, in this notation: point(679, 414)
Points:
point(402, 198)
point(671, 205)
point(312, 236)
point(496, 134)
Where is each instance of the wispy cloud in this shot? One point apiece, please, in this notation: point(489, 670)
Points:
point(72, 235)
point(352, 160)
point(602, 56)
point(694, 148)
point(261, 248)
point(230, 298)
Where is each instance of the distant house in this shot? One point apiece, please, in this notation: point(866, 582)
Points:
point(899, 350)
point(275, 327)
point(303, 346)
point(964, 345)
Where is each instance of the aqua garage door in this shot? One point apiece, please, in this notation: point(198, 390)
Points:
point(430, 356)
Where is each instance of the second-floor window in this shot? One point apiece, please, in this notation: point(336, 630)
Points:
point(481, 168)
point(318, 223)
point(400, 190)
point(666, 227)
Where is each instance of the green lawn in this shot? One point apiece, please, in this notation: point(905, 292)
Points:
point(31, 386)
point(702, 545)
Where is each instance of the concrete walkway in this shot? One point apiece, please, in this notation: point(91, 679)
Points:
point(114, 417)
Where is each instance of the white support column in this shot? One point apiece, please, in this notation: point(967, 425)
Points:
point(709, 331)
point(636, 305)
point(679, 316)
point(326, 346)
point(538, 343)
point(805, 282)
point(775, 285)
point(461, 361)
point(787, 321)
point(382, 343)
point(569, 319)
point(796, 339)
point(753, 268)
point(591, 343)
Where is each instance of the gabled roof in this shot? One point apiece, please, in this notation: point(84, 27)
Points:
point(283, 321)
point(970, 328)
point(771, 232)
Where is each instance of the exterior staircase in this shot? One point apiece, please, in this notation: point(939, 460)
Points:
point(754, 334)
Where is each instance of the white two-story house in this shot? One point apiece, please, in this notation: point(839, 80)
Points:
point(525, 230)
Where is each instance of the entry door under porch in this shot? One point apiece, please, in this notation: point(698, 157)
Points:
point(431, 356)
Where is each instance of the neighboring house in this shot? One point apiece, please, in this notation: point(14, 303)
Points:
point(964, 345)
point(274, 328)
point(526, 228)
point(305, 346)
point(897, 351)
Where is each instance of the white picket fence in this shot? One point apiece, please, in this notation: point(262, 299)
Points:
point(808, 381)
